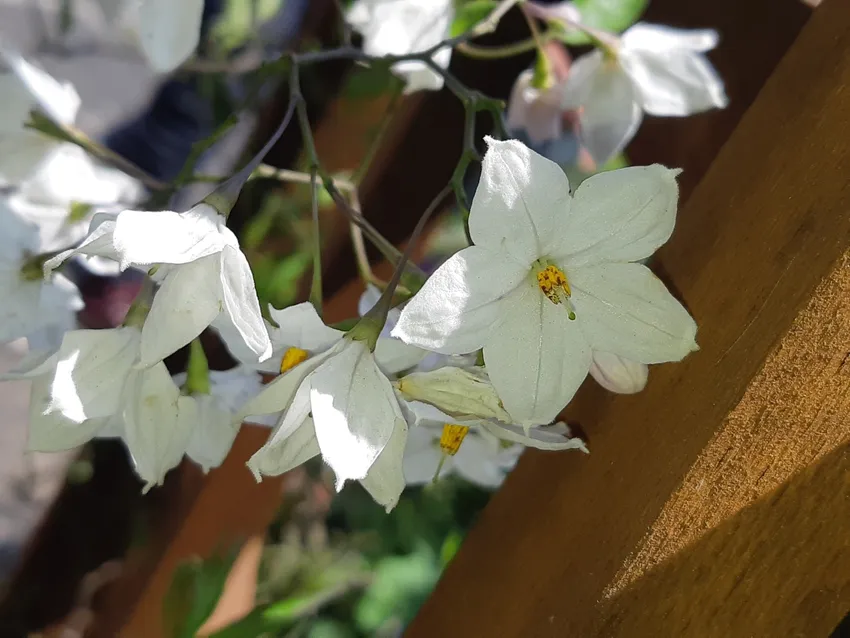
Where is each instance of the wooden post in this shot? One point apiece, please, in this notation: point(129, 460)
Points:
point(716, 502)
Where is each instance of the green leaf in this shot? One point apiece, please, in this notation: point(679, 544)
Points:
point(198, 369)
point(194, 592)
point(614, 16)
point(283, 282)
point(470, 14)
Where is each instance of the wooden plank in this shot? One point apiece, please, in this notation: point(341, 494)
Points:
point(714, 503)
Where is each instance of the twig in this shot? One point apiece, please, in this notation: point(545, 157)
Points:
point(316, 284)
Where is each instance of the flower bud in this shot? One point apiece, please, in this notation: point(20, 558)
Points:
point(455, 391)
point(617, 374)
point(535, 111)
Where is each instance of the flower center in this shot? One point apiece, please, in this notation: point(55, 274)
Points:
point(554, 284)
point(292, 357)
point(451, 438)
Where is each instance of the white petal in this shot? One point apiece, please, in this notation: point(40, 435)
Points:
point(99, 243)
point(521, 200)
point(393, 355)
point(213, 435)
point(59, 101)
point(144, 238)
point(418, 76)
point(541, 437)
point(188, 301)
point(481, 463)
point(674, 82)
point(618, 374)
point(537, 358)
point(91, 372)
point(661, 39)
point(368, 299)
point(422, 455)
point(301, 327)
point(536, 112)
point(385, 479)
point(21, 312)
point(622, 215)
point(610, 113)
point(278, 394)
point(169, 31)
point(464, 393)
point(158, 423)
point(53, 432)
point(355, 411)
point(241, 325)
point(454, 310)
point(627, 310)
point(291, 443)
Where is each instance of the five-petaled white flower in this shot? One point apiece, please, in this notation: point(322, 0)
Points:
point(32, 307)
point(406, 26)
point(356, 417)
point(204, 278)
point(650, 68)
point(25, 88)
point(551, 278)
point(479, 450)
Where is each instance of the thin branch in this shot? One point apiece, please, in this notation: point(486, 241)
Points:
point(316, 284)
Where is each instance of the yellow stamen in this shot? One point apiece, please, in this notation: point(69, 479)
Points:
point(553, 282)
point(292, 357)
point(451, 438)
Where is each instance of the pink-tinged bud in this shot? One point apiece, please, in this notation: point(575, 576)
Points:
point(536, 111)
point(618, 374)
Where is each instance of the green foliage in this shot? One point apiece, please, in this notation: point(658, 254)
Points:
point(470, 14)
point(198, 369)
point(194, 592)
point(607, 15)
point(401, 585)
point(277, 279)
point(236, 26)
point(366, 83)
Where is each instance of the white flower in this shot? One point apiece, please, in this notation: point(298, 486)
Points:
point(30, 305)
point(91, 387)
point(204, 278)
point(652, 69)
point(618, 374)
point(406, 26)
point(550, 279)
point(479, 450)
point(537, 112)
point(24, 88)
point(355, 415)
point(168, 31)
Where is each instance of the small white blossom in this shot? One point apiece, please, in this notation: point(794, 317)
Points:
point(651, 69)
point(32, 307)
point(618, 374)
point(406, 26)
point(356, 417)
point(204, 278)
point(25, 88)
point(552, 277)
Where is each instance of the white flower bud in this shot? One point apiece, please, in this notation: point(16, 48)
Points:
point(617, 374)
point(456, 391)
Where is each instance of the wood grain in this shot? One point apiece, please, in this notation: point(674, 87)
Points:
point(714, 503)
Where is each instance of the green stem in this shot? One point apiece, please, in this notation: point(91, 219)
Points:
point(316, 284)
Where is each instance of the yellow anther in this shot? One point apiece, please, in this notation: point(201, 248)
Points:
point(292, 357)
point(554, 284)
point(451, 438)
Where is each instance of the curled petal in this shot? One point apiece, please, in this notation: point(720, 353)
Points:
point(240, 322)
point(626, 310)
point(521, 200)
point(661, 39)
point(540, 437)
point(291, 443)
point(455, 309)
point(537, 358)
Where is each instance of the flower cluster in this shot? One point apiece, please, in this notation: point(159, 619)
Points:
point(461, 377)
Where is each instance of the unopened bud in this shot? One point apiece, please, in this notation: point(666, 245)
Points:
point(618, 374)
point(455, 391)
